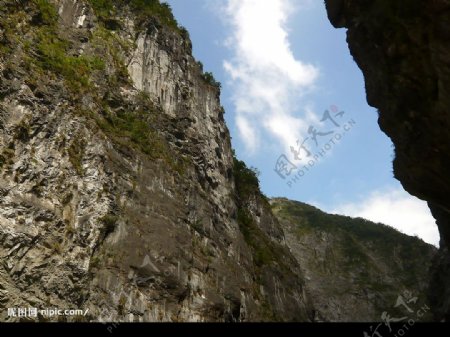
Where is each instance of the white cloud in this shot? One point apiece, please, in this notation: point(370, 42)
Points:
point(398, 209)
point(247, 132)
point(267, 78)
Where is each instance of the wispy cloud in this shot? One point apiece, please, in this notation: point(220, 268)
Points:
point(267, 77)
point(396, 208)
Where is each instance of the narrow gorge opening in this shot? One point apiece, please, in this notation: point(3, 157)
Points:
point(123, 195)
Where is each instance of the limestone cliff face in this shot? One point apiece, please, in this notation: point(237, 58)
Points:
point(117, 188)
point(402, 49)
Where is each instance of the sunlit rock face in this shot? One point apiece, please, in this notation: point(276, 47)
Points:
point(117, 192)
point(402, 49)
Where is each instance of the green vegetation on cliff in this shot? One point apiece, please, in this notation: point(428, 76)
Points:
point(354, 263)
point(246, 179)
point(144, 8)
point(54, 62)
point(247, 185)
point(264, 250)
point(310, 219)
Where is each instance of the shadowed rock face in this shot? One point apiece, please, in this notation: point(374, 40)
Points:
point(402, 48)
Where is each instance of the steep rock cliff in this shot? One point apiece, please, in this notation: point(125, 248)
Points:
point(402, 49)
point(117, 188)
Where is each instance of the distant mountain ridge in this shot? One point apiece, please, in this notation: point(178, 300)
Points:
point(354, 269)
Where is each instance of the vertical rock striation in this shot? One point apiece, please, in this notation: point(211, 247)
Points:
point(117, 188)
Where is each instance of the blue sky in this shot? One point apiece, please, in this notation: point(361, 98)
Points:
point(282, 65)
